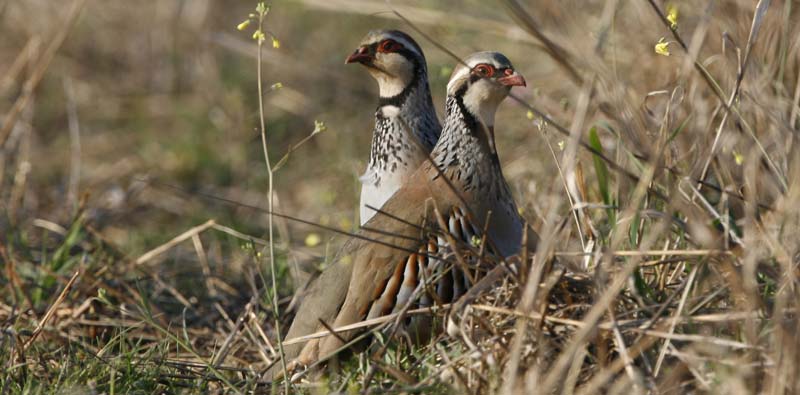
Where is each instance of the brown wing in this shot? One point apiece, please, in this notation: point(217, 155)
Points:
point(363, 270)
point(322, 301)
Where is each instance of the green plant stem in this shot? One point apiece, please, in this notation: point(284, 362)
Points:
point(270, 203)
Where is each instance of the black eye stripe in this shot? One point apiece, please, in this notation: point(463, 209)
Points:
point(407, 53)
point(405, 37)
point(498, 71)
point(390, 42)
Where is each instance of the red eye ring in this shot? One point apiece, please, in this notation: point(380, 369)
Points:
point(484, 70)
point(389, 45)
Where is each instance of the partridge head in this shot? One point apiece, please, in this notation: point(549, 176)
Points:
point(482, 82)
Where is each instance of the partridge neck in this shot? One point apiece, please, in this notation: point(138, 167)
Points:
point(464, 152)
point(401, 118)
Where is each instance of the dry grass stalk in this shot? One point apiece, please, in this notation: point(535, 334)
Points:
point(50, 312)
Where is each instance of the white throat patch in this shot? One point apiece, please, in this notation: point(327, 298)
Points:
point(390, 111)
point(388, 85)
point(395, 73)
point(483, 99)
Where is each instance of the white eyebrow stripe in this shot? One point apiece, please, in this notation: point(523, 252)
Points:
point(459, 75)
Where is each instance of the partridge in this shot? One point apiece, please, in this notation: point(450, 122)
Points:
point(448, 199)
point(406, 126)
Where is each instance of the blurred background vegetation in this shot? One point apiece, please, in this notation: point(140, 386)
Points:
point(167, 90)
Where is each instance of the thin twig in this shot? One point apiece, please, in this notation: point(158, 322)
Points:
point(50, 312)
point(176, 240)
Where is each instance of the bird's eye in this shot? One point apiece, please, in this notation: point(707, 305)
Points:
point(389, 45)
point(484, 70)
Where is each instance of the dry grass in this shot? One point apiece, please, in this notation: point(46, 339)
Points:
point(664, 188)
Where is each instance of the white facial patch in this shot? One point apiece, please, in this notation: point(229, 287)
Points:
point(394, 75)
point(482, 99)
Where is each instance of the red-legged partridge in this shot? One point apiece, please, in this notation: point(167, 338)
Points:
point(404, 245)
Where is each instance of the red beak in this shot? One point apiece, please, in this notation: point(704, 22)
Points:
point(361, 55)
point(512, 80)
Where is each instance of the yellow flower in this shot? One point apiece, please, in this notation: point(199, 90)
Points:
point(275, 43)
point(319, 127)
point(529, 115)
point(243, 25)
point(259, 36)
point(475, 241)
point(312, 240)
point(276, 86)
point(672, 15)
point(662, 47)
point(561, 145)
point(445, 71)
point(739, 158)
point(345, 223)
